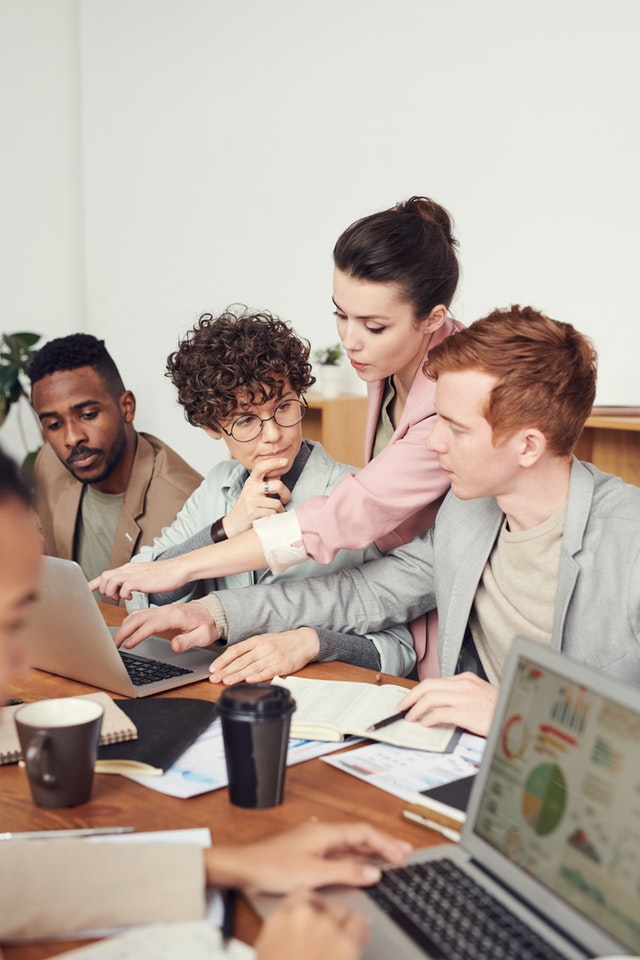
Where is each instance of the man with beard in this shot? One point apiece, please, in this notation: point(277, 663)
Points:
point(102, 490)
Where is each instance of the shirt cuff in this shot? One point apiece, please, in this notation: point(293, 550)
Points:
point(213, 604)
point(281, 540)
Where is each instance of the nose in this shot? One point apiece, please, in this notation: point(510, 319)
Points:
point(74, 433)
point(350, 335)
point(436, 441)
point(271, 430)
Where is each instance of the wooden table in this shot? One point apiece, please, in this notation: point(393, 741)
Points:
point(313, 790)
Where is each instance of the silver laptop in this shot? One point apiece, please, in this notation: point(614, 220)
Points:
point(552, 832)
point(67, 636)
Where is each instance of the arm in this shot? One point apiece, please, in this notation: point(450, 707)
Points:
point(374, 596)
point(238, 555)
point(309, 856)
point(362, 600)
point(399, 483)
point(402, 481)
point(263, 657)
point(57, 887)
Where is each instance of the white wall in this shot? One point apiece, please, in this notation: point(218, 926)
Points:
point(41, 254)
point(226, 145)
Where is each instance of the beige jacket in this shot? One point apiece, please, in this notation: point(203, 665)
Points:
point(160, 483)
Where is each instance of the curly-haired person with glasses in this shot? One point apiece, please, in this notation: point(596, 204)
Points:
point(242, 378)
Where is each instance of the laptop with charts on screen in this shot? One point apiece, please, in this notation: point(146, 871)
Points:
point(549, 860)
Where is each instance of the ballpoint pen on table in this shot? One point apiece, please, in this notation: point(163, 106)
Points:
point(65, 834)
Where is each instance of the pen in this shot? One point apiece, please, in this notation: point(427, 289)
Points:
point(387, 721)
point(227, 916)
point(55, 834)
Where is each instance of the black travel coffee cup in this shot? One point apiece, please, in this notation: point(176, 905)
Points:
point(255, 721)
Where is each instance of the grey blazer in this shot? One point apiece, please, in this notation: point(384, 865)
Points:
point(597, 611)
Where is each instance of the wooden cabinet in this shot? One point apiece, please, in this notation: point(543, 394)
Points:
point(612, 443)
point(338, 423)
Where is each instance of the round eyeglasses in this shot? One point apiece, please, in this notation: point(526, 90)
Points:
point(249, 426)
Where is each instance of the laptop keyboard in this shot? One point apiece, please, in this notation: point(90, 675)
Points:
point(141, 670)
point(451, 916)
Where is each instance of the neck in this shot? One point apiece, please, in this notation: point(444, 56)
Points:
point(403, 380)
point(539, 493)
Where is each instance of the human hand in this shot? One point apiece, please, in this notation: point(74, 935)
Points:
point(196, 626)
point(253, 502)
point(265, 656)
point(464, 700)
point(153, 577)
point(305, 927)
point(309, 856)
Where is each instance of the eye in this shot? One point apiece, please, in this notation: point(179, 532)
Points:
point(244, 421)
point(374, 330)
point(51, 425)
point(339, 316)
point(89, 415)
point(285, 405)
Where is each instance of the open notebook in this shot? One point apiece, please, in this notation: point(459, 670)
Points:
point(551, 842)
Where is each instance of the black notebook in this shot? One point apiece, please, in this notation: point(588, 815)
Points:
point(455, 794)
point(165, 729)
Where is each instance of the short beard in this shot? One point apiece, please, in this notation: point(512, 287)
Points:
point(113, 458)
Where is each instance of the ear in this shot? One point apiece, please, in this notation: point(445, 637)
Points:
point(214, 434)
point(532, 444)
point(435, 319)
point(127, 403)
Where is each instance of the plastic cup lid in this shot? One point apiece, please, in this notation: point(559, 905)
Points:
point(258, 699)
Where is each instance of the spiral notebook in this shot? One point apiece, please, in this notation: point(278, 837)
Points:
point(116, 726)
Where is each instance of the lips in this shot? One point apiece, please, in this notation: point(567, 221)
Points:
point(83, 459)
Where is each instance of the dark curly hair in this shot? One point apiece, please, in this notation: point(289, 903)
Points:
point(236, 359)
point(74, 351)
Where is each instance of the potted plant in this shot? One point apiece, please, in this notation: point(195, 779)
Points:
point(16, 353)
point(329, 359)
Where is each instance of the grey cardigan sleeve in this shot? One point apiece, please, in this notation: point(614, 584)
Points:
point(395, 589)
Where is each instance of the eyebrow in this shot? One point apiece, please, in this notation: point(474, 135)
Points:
point(75, 408)
point(290, 394)
point(452, 420)
point(380, 317)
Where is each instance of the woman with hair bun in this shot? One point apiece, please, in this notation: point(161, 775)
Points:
point(395, 276)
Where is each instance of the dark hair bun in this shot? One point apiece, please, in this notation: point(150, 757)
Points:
point(431, 212)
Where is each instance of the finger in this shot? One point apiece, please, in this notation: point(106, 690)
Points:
point(236, 670)
point(229, 657)
point(365, 839)
point(196, 637)
point(269, 469)
point(144, 631)
point(356, 927)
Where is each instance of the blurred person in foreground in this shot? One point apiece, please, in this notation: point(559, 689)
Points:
point(51, 888)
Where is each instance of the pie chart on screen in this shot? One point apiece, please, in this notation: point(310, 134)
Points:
point(544, 798)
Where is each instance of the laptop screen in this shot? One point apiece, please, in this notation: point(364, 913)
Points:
point(562, 796)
